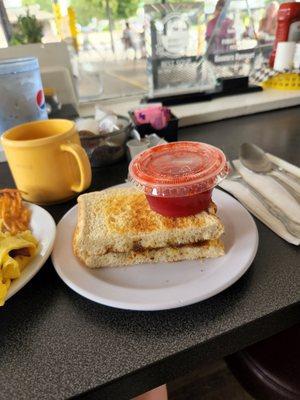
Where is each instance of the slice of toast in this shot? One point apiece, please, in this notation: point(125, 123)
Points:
point(120, 221)
point(207, 249)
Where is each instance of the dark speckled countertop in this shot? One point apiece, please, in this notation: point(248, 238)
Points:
point(55, 344)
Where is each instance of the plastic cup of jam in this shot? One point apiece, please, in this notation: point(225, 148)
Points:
point(178, 178)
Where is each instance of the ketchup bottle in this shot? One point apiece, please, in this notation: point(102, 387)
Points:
point(288, 26)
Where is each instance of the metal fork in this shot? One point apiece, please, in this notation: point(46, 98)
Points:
point(293, 227)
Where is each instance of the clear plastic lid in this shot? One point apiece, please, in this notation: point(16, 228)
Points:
point(178, 169)
point(18, 65)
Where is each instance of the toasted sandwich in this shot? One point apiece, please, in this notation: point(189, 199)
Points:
point(116, 227)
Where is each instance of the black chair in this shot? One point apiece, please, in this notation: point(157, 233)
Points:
point(270, 369)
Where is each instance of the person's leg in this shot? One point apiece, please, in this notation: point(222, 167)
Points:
point(159, 393)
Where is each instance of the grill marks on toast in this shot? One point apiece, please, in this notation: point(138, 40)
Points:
point(116, 225)
point(125, 214)
point(131, 214)
point(208, 249)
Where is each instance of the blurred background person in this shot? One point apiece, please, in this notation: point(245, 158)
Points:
point(220, 32)
point(268, 24)
point(159, 393)
point(129, 40)
point(142, 43)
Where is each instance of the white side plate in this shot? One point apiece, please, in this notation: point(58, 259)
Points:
point(43, 228)
point(164, 285)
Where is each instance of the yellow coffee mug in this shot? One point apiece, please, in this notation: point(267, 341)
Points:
point(47, 161)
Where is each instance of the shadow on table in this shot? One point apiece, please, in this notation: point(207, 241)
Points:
point(199, 314)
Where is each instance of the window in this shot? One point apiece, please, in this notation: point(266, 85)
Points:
point(106, 39)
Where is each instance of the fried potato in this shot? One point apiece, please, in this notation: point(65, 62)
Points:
point(14, 215)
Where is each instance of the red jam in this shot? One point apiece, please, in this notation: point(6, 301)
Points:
point(180, 206)
point(178, 178)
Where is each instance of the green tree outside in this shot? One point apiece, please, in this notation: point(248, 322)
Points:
point(88, 9)
point(45, 5)
point(126, 9)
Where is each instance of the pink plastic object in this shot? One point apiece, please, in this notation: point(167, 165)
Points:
point(157, 116)
point(178, 178)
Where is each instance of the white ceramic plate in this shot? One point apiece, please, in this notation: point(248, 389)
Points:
point(164, 285)
point(43, 228)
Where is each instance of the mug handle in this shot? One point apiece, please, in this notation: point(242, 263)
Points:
point(83, 163)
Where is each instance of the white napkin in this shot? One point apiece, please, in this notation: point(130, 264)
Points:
point(269, 188)
point(284, 164)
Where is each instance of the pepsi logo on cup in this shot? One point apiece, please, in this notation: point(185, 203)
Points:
point(40, 99)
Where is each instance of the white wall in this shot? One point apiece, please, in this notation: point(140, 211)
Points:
point(12, 3)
